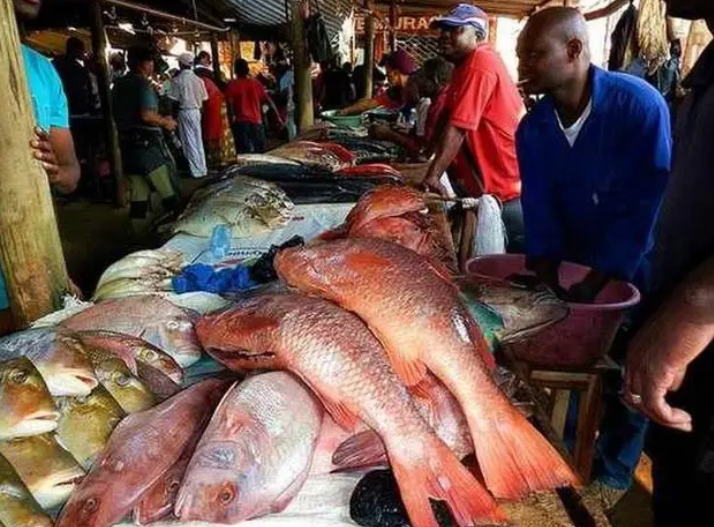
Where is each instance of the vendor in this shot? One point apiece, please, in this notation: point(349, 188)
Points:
point(477, 143)
point(595, 157)
point(400, 66)
point(427, 91)
point(145, 156)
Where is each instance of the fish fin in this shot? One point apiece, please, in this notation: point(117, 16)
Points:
point(482, 347)
point(362, 450)
point(410, 369)
point(438, 474)
point(339, 412)
point(516, 460)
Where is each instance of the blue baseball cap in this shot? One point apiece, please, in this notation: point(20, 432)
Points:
point(463, 15)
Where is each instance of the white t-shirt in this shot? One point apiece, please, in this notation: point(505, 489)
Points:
point(573, 131)
point(189, 90)
point(422, 111)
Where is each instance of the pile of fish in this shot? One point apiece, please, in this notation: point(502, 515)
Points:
point(384, 341)
point(329, 156)
point(250, 207)
point(398, 214)
point(139, 273)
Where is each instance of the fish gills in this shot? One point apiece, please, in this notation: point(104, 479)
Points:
point(416, 314)
point(337, 356)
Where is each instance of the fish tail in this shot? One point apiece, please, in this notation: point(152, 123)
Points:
point(516, 460)
point(438, 474)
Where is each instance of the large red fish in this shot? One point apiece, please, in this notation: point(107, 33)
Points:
point(141, 449)
point(337, 356)
point(417, 316)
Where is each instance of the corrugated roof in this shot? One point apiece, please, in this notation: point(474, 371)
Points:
point(512, 8)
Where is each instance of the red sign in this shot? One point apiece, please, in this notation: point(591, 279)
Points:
point(405, 24)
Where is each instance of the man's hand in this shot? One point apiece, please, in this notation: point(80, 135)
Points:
point(653, 370)
point(380, 131)
point(433, 184)
point(170, 124)
point(43, 151)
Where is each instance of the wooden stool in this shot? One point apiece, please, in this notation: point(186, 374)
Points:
point(559, 382)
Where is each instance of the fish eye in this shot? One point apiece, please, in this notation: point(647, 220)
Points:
point(150, 355)
point(20, 376)
point(122, 379)
point(90, 505)
point(174, 485)
point(226, 495)
point(172, 324)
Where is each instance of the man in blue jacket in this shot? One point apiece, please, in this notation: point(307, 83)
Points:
point(594, 156)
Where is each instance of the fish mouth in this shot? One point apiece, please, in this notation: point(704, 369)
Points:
point(40, 422)
point(56, 490)
point(72, 384)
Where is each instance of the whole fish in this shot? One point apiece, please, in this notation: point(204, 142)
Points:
point(17, 506)
point(49, 471)
point(148, 317)
point(385, 202)
point(86, 424)
point(26, 406)
point(131, 394)
point(63, 366)
point(142, 351)
point(141, 449)
point(255, 454)
point(438, 408)
point(418, 317)
point(337, 356)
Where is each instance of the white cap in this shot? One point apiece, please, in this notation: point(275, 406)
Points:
point(186, 59)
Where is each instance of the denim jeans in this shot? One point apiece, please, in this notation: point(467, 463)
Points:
point(249, 138)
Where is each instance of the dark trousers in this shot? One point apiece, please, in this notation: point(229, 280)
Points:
point(512, 216)
point(683, 463)
point(249, 138)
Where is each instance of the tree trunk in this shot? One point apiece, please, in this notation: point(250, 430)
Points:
point(100, 46)
point(216, 58)
point(30, 248)
point(303, 66)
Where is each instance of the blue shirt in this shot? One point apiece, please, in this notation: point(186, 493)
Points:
point(49, 103)
point(596, 203)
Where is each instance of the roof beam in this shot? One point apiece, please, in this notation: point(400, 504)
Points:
point(161, 14)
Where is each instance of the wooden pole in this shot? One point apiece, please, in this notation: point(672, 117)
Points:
point(393, 21)
point(368, 56)
point(302, 65)
point(100, 46)
point(30, 248)
point(216, 57)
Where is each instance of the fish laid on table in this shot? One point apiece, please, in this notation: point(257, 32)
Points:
point(49, 471)
point(144, 353)
point(126, 388)
point(255, 454)
point(17, 506)
point(141, 449)
point(26, 406)
point(524, 311)
point(64, 367)
point(439, 409)
point(86, 424)
point(337, 356)
point(417, 315)
point(148, 317)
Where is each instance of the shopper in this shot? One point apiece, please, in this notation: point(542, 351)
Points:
point(245, 98)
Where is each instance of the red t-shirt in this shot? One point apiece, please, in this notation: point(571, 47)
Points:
point(247, 97)
point(436, 116)
point(385, 99)
point(485, 102)
point(212, 119)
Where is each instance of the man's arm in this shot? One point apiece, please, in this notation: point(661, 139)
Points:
point(56, 152)
point(361, 106)
point(152, 118)
point(385, 133)
point(658, 357)
point(452, 138)
point(274, 108)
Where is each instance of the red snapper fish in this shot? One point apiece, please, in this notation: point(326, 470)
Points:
point(140, 450)
point(336, 355)
point(417, 316)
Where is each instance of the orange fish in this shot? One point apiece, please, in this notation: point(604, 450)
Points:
point(337, 356)
point(418, 317)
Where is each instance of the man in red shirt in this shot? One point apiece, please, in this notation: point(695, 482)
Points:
point(477, 144)
point(245, 98)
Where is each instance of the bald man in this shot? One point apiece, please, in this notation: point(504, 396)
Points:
point(594, 156)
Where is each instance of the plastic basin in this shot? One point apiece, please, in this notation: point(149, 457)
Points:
point(586, 335)
point(350, 121)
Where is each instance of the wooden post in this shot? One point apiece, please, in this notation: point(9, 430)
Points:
point(216, 57)
point(100, 46)
point(368, 56)
point(30, 248)
point(393, 21)
point(302, 64)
